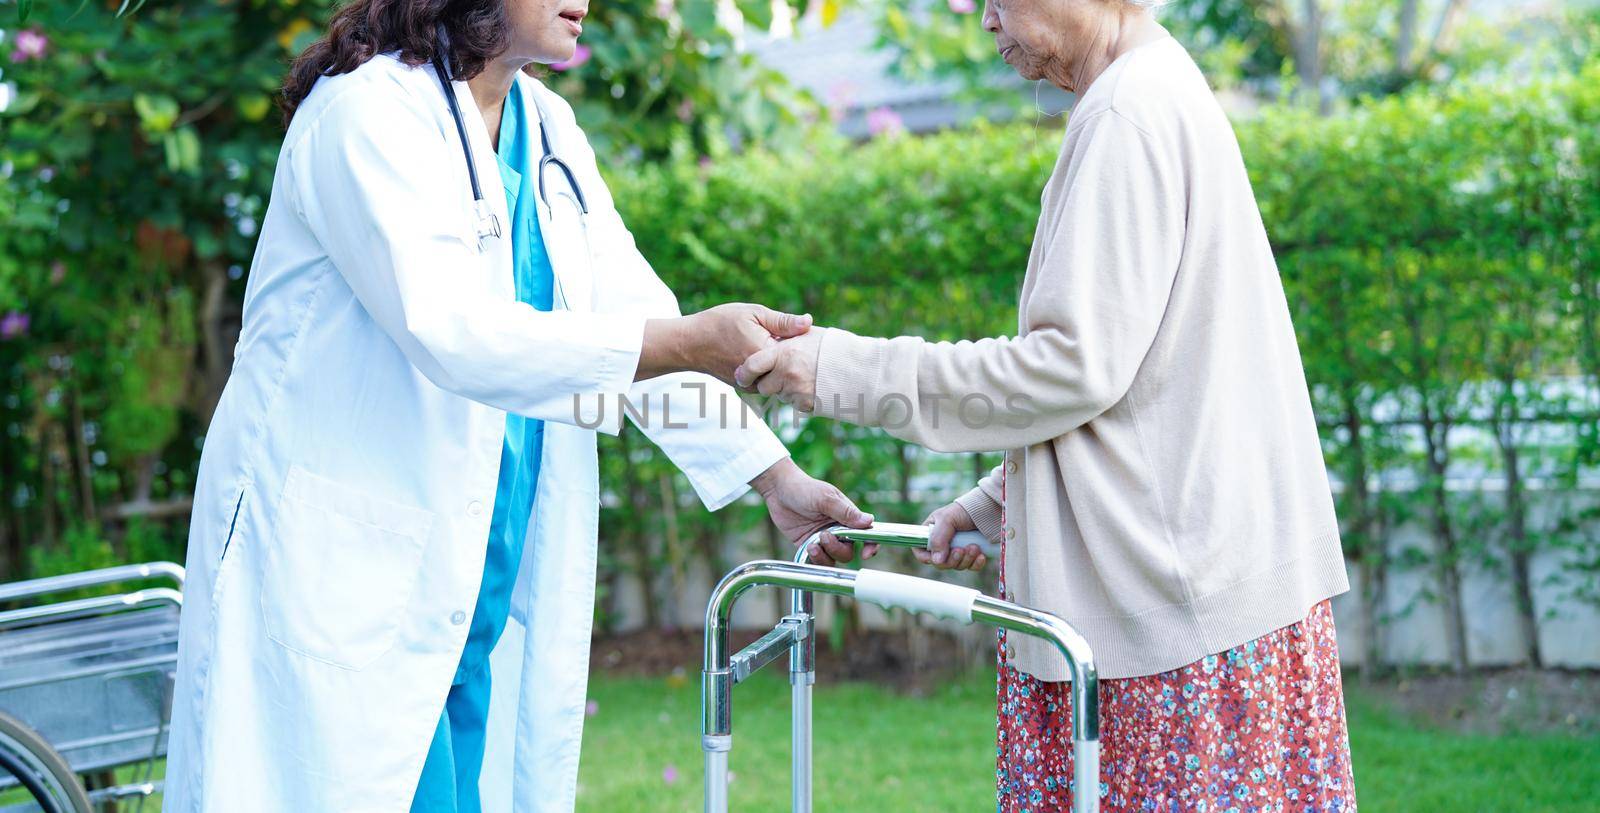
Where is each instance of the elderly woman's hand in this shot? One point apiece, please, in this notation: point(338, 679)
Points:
point(787, 369)
point(946, 522)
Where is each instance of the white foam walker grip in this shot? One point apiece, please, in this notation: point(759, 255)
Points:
point(935, 598)
point(964, 538)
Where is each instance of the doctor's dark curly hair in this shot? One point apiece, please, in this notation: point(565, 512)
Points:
point(479, 30)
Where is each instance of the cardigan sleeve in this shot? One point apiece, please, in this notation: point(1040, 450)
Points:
point(983, 504)
point(1104, 261)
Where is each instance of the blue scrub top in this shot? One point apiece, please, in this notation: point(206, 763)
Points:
point(449, 781)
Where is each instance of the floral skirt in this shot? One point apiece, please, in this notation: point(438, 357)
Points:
point(1259, 727)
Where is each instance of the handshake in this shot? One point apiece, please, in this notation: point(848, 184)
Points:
point(758, 349)
point(751, 347)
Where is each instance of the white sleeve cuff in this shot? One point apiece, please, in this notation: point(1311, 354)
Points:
point(728, 482)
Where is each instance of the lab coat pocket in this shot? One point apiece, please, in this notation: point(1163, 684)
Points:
point(339, 570)
point(225, 556)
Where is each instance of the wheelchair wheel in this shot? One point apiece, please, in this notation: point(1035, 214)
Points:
point(40, 771)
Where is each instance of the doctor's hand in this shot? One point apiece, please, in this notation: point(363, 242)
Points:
point(801, 505)
point(713, 341)
point(786, 369)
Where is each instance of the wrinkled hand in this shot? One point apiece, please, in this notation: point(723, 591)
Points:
point(946, 522)
point(786, 369)
point(801, 505)
point(728, 334)
point(714, 341)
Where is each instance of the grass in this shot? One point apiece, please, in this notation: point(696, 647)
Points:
point(877, 751)
point(1403, 766)
point(881, 751)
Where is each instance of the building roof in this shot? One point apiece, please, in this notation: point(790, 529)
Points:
point(840, 65)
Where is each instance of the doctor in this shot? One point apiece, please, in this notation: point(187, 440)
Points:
point(392, 554)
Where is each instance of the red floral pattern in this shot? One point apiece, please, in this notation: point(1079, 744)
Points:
point(1260, 727)
point(1257, 728)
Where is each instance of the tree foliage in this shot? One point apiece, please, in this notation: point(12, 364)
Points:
point(1326, 52)
point(137, 147)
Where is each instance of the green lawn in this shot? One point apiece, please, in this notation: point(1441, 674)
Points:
point(884, 752)
point(880, 751)
point(875, 750)
point(1403, 766)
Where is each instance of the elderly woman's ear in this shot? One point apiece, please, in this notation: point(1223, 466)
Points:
point(787, 370)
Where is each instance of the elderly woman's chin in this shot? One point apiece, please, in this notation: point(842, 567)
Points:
point(1026, 67)
point(1032, 73)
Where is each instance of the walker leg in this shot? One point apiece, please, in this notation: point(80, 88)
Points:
point(1086, 753)
point(717, 748)
point(716, 727)
point(800, 741)
point(802, 675)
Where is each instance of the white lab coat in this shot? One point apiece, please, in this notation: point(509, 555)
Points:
point(347, 480)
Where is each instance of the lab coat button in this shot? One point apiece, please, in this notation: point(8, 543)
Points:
point(1011, 533)
point(475, 508)
point(1011, 467)
point(458, 618)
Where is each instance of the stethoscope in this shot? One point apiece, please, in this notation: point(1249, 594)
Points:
point(488, 224)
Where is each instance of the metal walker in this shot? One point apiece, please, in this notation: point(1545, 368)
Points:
point(795, 634)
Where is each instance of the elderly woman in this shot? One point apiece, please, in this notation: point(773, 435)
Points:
point(1164, 488)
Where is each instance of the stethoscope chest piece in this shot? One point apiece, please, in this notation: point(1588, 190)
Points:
point(488, 222)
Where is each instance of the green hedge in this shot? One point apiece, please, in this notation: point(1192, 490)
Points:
point(1437, 248)
point(930, 235)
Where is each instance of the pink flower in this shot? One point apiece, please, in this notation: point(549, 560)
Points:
point(883, 121)
point(591, 708)
point(664, 8)
point(579, 56)
point(31, 44)
point(685, 110)
point(13, 324)
point(962, 6)
point(58, 272)
point(669, 774)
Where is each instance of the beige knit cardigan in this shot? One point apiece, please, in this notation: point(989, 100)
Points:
point(1164, 489)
